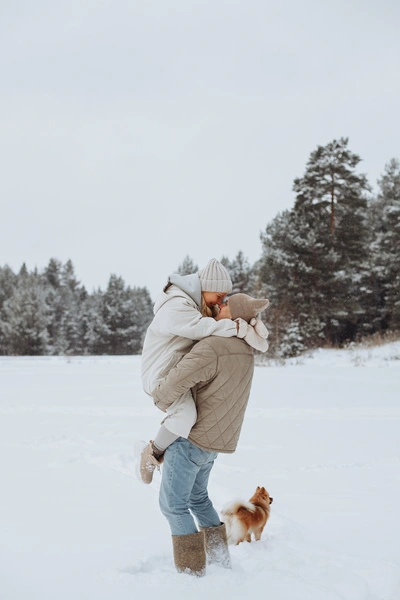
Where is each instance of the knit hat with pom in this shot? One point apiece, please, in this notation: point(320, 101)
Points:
point(215, 278)
point(246, 307)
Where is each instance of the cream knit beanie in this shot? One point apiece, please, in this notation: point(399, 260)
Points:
point(215, 278)
point(245, 307)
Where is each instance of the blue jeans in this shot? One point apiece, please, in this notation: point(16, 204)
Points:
point(183, 491)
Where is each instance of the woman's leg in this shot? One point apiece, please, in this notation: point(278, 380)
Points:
point(163, 439)
point(181, 416)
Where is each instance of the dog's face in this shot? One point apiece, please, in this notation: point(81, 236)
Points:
point(262, 493)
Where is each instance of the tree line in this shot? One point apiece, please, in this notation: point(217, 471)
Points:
point(330, 267)
point(49, 312)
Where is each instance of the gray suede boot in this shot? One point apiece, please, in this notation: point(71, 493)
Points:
point(216, 545)
point(189, 554)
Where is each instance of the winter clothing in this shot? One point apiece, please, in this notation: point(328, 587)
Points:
point(216, 545)
point(215, 278)
point(242, 327)
point(185, 474)
point(163, 439)
point(246, 307)
point(220, 371)
point(257, 335)
point(149, 461)
point(189, 554)
point(259, 328)
point(177, 324)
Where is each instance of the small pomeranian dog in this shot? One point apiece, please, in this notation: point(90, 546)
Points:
point(244, 518)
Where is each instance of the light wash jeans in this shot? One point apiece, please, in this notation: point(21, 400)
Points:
point(186, 469)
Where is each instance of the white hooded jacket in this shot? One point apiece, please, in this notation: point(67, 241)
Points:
point(177, 325)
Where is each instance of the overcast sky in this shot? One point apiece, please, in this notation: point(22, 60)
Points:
point(135, 132)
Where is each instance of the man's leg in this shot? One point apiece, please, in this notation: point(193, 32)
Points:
point(178, 477)
point(215, 539)
point(200, 503)
point(179, 474)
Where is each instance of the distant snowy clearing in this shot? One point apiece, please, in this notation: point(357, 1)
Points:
point(321, 434)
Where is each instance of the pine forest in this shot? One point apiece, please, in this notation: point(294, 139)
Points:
point(330, 267)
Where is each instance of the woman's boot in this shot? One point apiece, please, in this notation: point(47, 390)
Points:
point(216, 545)
point(189, 553)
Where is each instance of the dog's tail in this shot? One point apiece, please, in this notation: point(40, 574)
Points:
point(233, 508)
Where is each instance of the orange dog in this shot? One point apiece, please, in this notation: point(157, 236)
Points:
point(244, 518)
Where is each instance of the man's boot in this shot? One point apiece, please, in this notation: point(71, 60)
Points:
point(216, 545)
point(189, 553)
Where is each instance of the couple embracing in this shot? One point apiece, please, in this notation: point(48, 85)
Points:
point(197, 365)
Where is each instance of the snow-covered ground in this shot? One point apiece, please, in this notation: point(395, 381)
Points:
point(322, 434)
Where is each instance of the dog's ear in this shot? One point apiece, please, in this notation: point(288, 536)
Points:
point(258, 488)
point(271, 499)
point(264, 491)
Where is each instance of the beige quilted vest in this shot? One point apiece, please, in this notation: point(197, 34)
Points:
point(219, 371)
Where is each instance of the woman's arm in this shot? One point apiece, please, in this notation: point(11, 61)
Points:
point(179, 317)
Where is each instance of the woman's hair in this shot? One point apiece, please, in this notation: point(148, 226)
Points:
point(206, 311)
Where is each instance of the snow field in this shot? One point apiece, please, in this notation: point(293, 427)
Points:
point(322, 437)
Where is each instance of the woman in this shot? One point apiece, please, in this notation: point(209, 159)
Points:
point(183, 314)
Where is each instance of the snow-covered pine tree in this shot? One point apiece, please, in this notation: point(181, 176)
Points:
point(140, 307)
point(51, 283)
point(8, 283)
point(241, 273)
point(330, 212)
point(92, 323)
point(387, 246)
point(187, 266)
point(71, 334)
point(24, 318)
point(125, 315)
point(286, 272)
point(52, 273)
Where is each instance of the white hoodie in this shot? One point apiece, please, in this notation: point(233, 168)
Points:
point(177, 325)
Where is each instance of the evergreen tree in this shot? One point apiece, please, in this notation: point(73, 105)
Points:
point(51, 313)
point(187, 267)
point(52, 273)
point(241, 273)
point(24, 318)
point(315, 262)
point(23, 272)
point(330, 214)
point(286, 275)
point(8, 283)
point(92, 323)
point(125, 315)
point(387, 246)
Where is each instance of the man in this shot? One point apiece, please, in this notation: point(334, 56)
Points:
point(219, 372)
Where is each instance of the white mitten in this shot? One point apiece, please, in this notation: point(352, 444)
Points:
point(259, 327)
point(242, 327)
point(255, 340)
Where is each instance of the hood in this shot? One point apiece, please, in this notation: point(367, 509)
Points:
point(190, 284)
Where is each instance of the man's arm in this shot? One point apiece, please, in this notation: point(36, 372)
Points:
point(199, 365)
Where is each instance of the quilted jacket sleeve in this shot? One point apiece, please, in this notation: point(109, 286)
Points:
point(179, 317)
point(200, 365)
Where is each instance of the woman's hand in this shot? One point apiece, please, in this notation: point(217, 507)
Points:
point(241, 328)
point(259, 327)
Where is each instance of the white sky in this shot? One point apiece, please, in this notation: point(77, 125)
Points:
point(136, 132)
